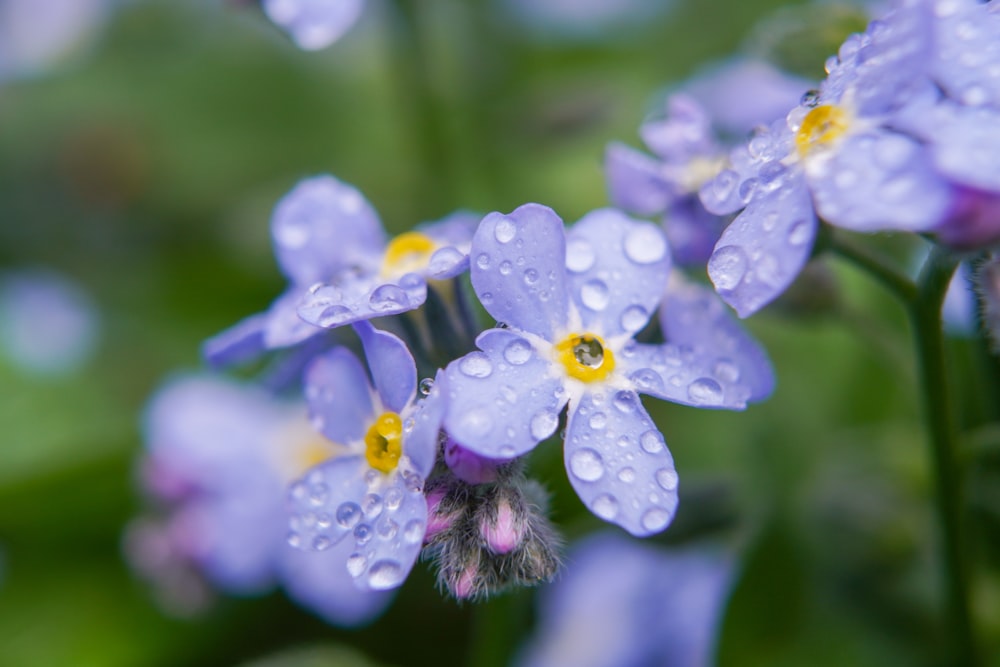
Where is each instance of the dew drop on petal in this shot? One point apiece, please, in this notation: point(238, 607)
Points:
point(634, 318)
point(388, 529)
point(605, 506)
point(652, 442)
point(504, 231)
point(624, 401)
point(388, 297)
point(333, 315)
point(413, 532)
point(385, 574)
point(425, 386)
point(705, 390)
point(580, 255)
point(476, 365)
point(348, 514)
point(505, 268)
point(294, 540)
point(645, 244)
point(393, 498)
point(727, 266)
point(543, 424)
point(530, 277)
point(726, 370)
point(655, 519)
point(627, 475)
point(598, 421)
point(667, 479)
point(483, 261)
point(371, 504)
point(586, 464)
point(362, 533)
point(356, 564)
point(517, 352)
point(476, 422)
point(647, 381)
point(321, 543)
point(799, 233)
point(594, 294)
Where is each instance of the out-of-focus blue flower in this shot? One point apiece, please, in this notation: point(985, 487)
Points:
point(623, 604)
point(585, 19)
point(571, 304)
point(330, 244)
point(48, 325)
point(36, 35)
point(221, 455)
point(368, 505)
point(314, 24)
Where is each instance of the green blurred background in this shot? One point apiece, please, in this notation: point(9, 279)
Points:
point(146, 172)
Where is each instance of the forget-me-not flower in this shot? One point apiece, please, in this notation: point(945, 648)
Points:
point(571, 303)
point(371, 499)
point(314, 24)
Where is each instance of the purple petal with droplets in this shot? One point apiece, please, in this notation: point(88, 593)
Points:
point(325, 506)
point(453, 235)
point(323, 226)
point(393, 370)
point(314, 24)
point(763, 250)
point(240, 343)
point(636, 182)
point(878, 181)
point(692, 231)
point(618, 463)
point(420, 443)
point(965, 145)
point(967, 52)
point(339, 395)
point(685, 132)
point(507, 251)
point(284, 326)
point(616, 292)
point(505, 399)
point(354, 298)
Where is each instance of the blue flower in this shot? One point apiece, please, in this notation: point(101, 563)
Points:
point(571, 304)
point(220, 455)
point(368, 504)
point(314, 24)
point(624, 603)
point(330, 244)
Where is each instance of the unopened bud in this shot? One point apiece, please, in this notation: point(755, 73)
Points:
point(464, 586)
point(502, 532)
point(468, 466)
point(987, 281)
point(438, 518)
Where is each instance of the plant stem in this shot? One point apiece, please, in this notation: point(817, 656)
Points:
point(876, 264)
point(925, 313)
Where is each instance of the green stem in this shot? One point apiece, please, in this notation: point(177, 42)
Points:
point(925, 313)
point(879, 266)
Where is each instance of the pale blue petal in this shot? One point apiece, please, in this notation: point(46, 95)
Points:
point(284, 327)
point(393, 370)
point(354, 298)
point(617, 269)
point(314, 24)
point(242, 342)
point(505, 399)
point(325, 506)
point(764, 249)
point(422, 425)
point(965, 145)
point(636, 182)
point(337, 389)
point(518, 269)
point(618, 463)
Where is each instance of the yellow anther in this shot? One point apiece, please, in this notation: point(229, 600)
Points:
point(407, 252)
point(384, 442)
point(585, 357)
point(820, 127)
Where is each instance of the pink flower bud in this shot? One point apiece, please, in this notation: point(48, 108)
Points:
point(503, 533)
point(463, 587)
point(437, 521)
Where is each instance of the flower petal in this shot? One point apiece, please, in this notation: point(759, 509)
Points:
point(635, 181)
point(323, 226)
point(314, 24)
point(325, 505)
point(762, 251)
point(504, 400)
point(354, 298)
point(284, 327)
point(337, 389)
point(617, 268)
point(421, 427)
point(619, 464)
point(393, 370)
point(518, 269)
point(239, 343)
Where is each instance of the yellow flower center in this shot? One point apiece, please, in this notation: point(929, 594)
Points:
point(407, 252)
point(585, 357)
point(384, 442)
point(820, 127)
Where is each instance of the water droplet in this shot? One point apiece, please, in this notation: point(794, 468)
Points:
point(504, 231)
point(724, 184)
point(543, 424)
point(598, 421)
point(605, 506)
point(333, 315)
point(476, 365)
point(321, 543)
point(624, 401)
point(294, 540)
point(800, 232)
point(634, 318)
point(388, 297)
point(627, 475)
point(645, 244)
point(530, 277)
point(517, 352)
point(594, 294)
point(371, 504)
point(483, 261)
point(655, 519)
point(348, 514)
point(299, 491)
point(647, 381)
point(586, 464)
point(667, 479)
point(486, 298)
point(318, 494)
point(393, 498)
point(705, 391)
point(623, 441)
point(444, 259)
point(425, 386)
point(362, 533)
point(476, 422)
point(810, 98)
point(580, 255)
point(356, 564)
point(727, 266)
point(385, 574)
point(413, 532)
point(747, 188)
point(323, 520)
point(292, 233)
point(388, 529)
point(726, 370)
point(508, 394)
point(652, 442)
point(505, 268)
